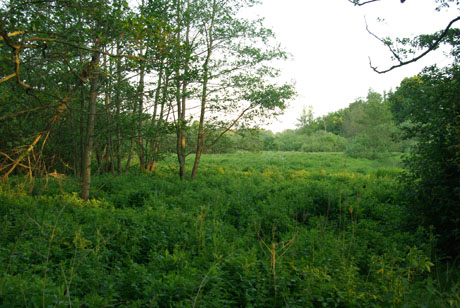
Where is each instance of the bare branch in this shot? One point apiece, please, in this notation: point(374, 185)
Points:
point(228, 128)
point(395, 54)
point(356, 2)
point(403, 63)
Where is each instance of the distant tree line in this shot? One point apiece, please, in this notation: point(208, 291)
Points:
point(365, 129)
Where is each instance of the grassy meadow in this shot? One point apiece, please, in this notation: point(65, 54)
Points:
point(267, 229)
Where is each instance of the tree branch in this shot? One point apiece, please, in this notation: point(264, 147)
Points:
point(396, 55)
point(23, 111)
point(228, 128)
point(45, 39)
point(356, 2)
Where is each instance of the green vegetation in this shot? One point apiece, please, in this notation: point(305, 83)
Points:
point(426, 107)
point(108, 108)
point(116, 79)
point(365, 129)
point(267, 229)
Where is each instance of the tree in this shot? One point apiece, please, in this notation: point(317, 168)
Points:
point(57, 48)
point(221, 62)
point(333, 121)
point(369, 125)
point(426, 107)
point(306, 117)
point(104, 79)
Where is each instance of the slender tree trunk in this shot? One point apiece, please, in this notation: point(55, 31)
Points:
point(117, 128)
point(133, 140)
point(117, 110)
point(75, 151)
point(140, 111)
point(160, 123)
point(128, 161)
point(200, 137)
point(180, 100)
point(180, 145)
point(100, 157)
point(88, 150)
point(109, 156)
point(82, 128)
point(151, 162)
point(204, 93)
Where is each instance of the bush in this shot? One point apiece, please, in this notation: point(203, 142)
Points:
point(429, 102)
point(363, 146)
point(322, 141)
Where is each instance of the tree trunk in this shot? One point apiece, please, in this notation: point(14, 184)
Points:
point(204, 93)
point(181, 89)
point(82, 129)
point(133, 141)
point(180, 145)
point(75, 150)
point(140, 140)
point(117, 111)
point(109, 157)
point(200, 137)
point(155, 123)
point(88, 150)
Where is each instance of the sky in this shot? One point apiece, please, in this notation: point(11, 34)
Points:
point(330, 48)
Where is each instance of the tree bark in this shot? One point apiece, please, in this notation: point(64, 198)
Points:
point(156, 123)
point(140, 140)
point(117, 112)
point(89, 142)
point(181, 90)
point(204, 93)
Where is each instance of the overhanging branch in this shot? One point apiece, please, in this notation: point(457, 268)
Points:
point(358, 3)
point(433, 46)
point(363, 3)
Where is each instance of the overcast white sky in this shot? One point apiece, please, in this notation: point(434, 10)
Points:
point(330, 47)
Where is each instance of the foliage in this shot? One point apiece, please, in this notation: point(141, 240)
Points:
point(75, 96)
point(322, 141)
point(306, 117)
point(365, 129)
point(426, 106)
point(370, 125)
point(254, 229)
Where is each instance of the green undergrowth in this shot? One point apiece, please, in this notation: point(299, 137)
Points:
point(253, 230)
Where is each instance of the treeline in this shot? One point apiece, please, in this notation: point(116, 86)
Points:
point(365, 129)
point(92, 85)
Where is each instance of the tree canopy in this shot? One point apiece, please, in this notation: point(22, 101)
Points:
point(110, 80)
